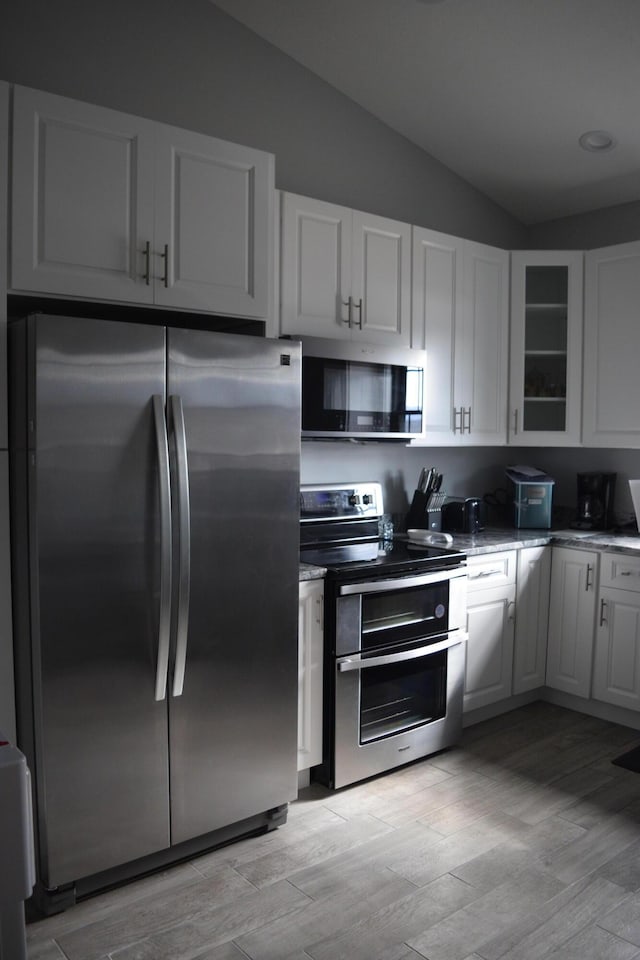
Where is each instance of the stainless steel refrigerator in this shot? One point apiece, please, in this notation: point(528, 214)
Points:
point(155, 485)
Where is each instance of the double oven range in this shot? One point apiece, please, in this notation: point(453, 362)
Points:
point(395, 634)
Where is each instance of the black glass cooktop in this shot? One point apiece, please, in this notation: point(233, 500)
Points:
point(378, 557)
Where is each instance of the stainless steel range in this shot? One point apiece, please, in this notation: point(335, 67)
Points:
point(395, 630)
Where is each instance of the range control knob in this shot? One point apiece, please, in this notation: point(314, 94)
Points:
point(354, 500)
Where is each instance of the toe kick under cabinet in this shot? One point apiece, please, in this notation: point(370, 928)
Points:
point(616, 664)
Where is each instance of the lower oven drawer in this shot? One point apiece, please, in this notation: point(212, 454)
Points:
point(394, 707)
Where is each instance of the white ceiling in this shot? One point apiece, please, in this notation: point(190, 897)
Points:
point(497, 90)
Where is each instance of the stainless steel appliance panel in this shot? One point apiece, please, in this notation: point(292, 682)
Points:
point(101, 737)
point(233, 727)
point(355, 759)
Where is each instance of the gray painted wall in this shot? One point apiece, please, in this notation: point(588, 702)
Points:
point(187, 63)
point(599, 228)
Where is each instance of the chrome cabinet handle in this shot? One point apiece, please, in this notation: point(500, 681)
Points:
point(467, 412)
point(358, 323)
point(511, 611)
point(164, 625)
point(165, 273)
point(348, 303)
point(146, 253)
point(588, 581)
point(355, 663)
point(515, 422)
point(184, 543)
point(603, 607)
point(457, 413)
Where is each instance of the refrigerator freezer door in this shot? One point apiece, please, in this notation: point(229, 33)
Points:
point(233, 729)
point(100, 735)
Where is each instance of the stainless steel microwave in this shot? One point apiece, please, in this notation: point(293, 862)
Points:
point(362, 391)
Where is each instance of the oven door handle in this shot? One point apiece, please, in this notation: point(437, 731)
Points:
point(401, 583)
point(453, 640)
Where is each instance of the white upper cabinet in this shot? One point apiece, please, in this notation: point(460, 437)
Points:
point(546, 348)
point(344, 274)
point(612, 347)
point(111, 206)
point(436, 300)
point(461, 318)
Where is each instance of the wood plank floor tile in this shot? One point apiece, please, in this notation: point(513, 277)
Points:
point(142, 917)
point(214, 926)
point(460, 932)
point(624, 920)
point(551, 925)
point(396, 923)
point(520, 843)
point(594, 943)
point(287, 937)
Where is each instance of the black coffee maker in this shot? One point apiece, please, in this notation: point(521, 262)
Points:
point(595, 501)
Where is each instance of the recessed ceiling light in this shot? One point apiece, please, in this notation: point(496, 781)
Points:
point(597, 141)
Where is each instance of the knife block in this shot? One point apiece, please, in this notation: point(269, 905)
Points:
point(422, 515)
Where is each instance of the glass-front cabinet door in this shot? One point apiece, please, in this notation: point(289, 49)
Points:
point(546, 348)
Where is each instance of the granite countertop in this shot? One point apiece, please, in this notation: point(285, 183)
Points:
point(494, 539)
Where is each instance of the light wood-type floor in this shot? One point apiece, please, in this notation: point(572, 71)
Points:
point(521, 844)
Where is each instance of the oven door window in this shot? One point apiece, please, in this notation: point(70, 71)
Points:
point(400, 616)
point(396, 697)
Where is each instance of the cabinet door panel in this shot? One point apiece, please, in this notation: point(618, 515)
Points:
point(310, 667)
point(381, 271)
point(315, 267)
point(489, 652)
point(571, 620)
point(532, 617)
point(612, 344)
point(214, 213)
point(482, 345)
point(82, 198)
point(436, 285)
point(616, 672)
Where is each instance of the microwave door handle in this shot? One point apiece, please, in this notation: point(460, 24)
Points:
point(453, 640)
point(184, 544)
point(164, 621)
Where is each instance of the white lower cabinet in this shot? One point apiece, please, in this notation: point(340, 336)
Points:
point(532, 618)
point(310, 667)
point(572, 607)
point(616, 666)
point(490, 624)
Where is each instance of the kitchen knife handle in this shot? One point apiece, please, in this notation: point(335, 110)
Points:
point(184, 543)
point(164, 624)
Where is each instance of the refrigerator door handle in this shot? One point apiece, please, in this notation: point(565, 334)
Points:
point(184, 543)
point(164, 625)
